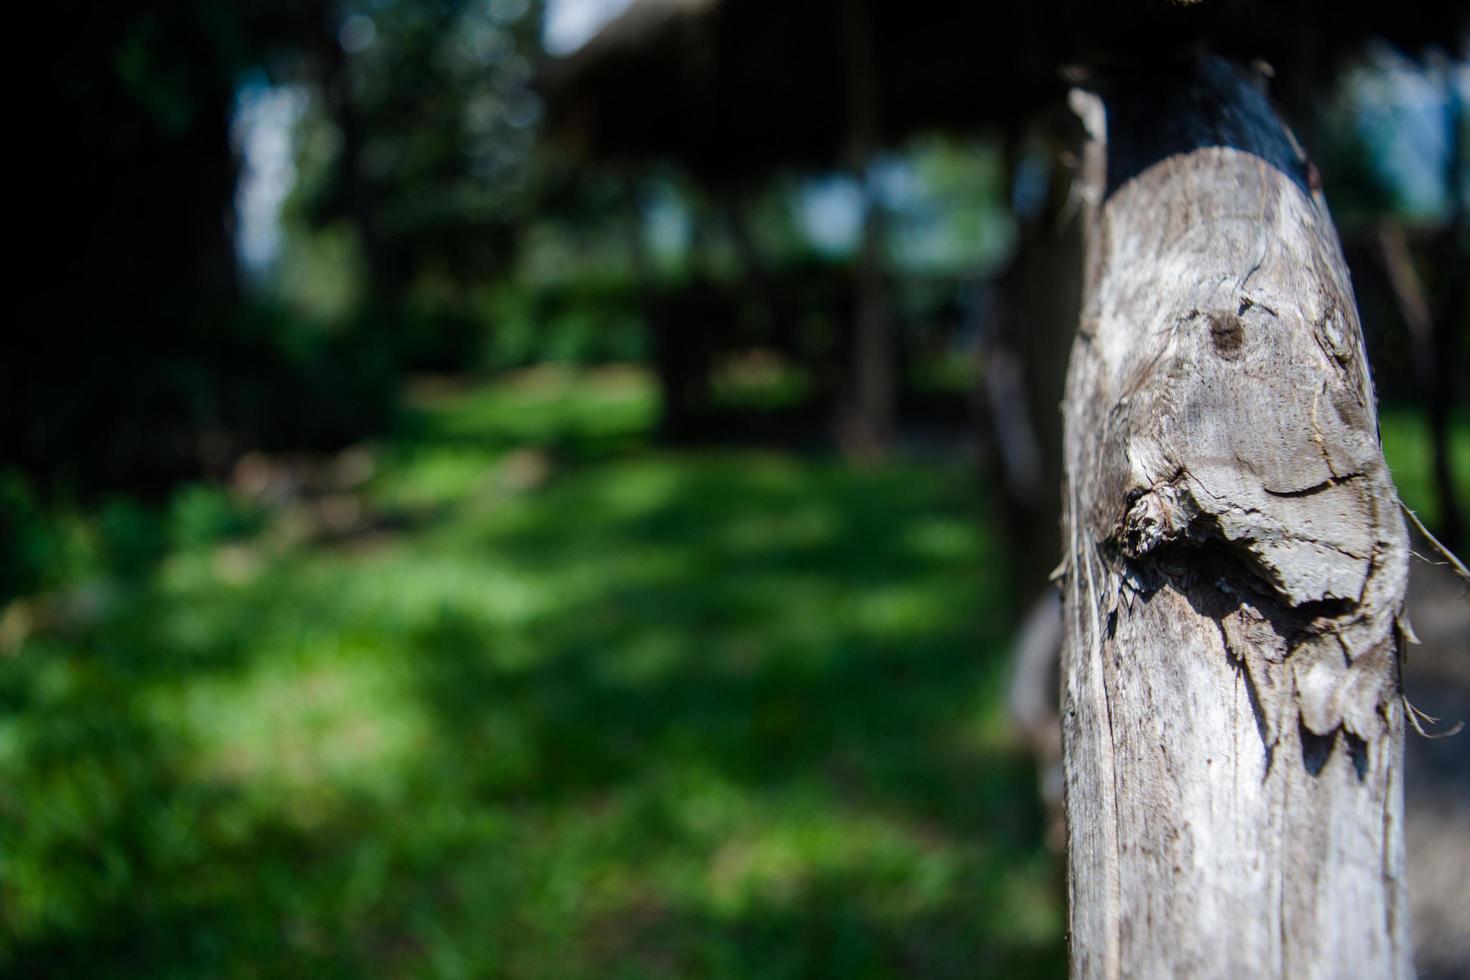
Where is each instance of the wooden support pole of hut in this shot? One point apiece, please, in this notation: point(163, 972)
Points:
point(676, 409)
point(1236, 561)
point(869, 428)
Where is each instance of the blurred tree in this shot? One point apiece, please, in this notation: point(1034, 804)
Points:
point(1392, 150)
point(144, 357)
point(433, 119)
point(133, 256)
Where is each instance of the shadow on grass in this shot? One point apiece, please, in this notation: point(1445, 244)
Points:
point(660, 715)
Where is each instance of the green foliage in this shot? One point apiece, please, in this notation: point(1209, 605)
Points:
point(1406, 446)
point(202, 515)
point(591, 321)
point(421, 138)
point(132, 538)
point(149, 359)
point(558, 705)
point(59, 545)
point(950, 214)
point(40, 547)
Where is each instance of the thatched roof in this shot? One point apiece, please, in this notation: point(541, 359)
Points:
point(734, 88)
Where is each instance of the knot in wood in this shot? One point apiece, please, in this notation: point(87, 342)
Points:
point(1156, 516)
point(1227, 334)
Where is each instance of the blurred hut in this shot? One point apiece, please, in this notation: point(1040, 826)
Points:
point(735, 91)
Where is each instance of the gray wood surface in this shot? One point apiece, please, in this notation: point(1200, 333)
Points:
point(1235, 561)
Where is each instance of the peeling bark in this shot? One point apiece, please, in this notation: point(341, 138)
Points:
point(1234, 584)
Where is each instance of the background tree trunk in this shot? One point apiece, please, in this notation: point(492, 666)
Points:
point(867, 431)
point(1234, 586)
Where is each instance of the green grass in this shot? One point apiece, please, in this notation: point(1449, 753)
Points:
point(559, 705)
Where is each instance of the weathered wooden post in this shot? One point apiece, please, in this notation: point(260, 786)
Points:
point(1236, 561)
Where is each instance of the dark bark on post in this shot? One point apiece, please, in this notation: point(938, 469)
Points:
point(1236, 561)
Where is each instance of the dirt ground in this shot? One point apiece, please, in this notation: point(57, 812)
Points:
point(1437, 773)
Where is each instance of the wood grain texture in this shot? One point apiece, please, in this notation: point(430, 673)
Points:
point(1236, 567)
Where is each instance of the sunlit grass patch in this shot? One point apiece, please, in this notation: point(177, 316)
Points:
point(331, 720)
point(544, 405)
point(435, 476)
point(948, 538)
point(410, 587)
point(777, 860)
